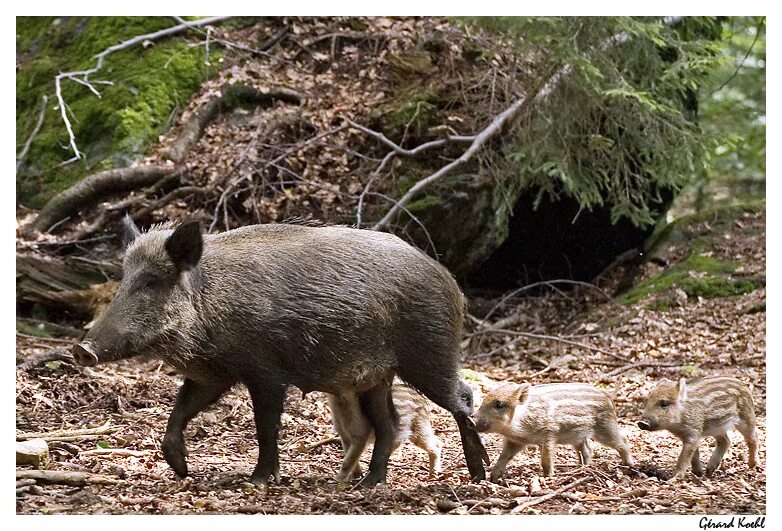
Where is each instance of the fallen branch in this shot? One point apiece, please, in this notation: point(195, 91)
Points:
point(231, 97)
point(62, 477)
point(532, 335)
point(82, 76)
point(93, 188)
point(100, 430)
point(322, 442)
point(56, 354)
point(638, 365)
point(549, 496)
point(23, 154)
point(122, 452)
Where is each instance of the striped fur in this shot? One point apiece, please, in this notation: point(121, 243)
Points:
point(355, 430)
point(706, 407)
point(547, 415)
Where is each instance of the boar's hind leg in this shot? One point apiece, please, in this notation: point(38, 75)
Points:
point(378, 407)
point(193, 397)
point(267, 408)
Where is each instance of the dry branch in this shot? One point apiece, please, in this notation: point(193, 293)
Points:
point(231, 97)
point(23, 154)
point(122, 452)
point(62, 477)
point(549, 496)
point(93, 188)
point(638, 365)
point(35, 360)
point(82, 76)
point(100, 430)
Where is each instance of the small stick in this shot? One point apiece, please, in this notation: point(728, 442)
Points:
point(105, 428)
point(318, 444)
point(638, 365)
point(36, 129)
point(123, 452)
point(547, 497)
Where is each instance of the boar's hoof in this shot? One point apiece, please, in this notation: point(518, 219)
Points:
point(644, 425)
point(84, 355)
point(372, 479)
point(175, 457)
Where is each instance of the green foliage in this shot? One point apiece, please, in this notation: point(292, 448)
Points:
point(733, 111)
point(618, 129)
point(149, 83)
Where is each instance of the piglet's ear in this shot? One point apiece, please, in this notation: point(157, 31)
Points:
point(681, 388)
point(129, 230)
point(523, 392)
point(185, 245)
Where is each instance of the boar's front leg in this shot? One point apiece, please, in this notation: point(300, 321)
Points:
point(267, 407)
point(193, 397)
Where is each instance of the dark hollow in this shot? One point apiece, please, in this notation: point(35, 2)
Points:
point(546, 244)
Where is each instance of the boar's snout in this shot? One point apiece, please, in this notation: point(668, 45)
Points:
point(84, 355)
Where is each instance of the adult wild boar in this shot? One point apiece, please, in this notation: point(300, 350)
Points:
point(330, 309)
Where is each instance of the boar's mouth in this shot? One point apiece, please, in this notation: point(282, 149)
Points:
point(645, 426)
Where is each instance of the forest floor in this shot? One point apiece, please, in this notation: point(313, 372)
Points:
point(579, 336)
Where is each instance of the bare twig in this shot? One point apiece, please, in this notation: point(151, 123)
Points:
point(100, 430)
point(82, 76)
point(639, 365)
point(23, 154)
point(122, 452)
point(318, 444)
point(549, 496)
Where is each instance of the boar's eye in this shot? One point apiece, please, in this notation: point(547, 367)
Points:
point(150, 283)
point(499, 405)
point(664, 403)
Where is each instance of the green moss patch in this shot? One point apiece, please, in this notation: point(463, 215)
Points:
point(149, 84)
point(698, 276)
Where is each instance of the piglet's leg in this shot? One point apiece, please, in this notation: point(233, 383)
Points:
point(547, 452)
point(723, 443)
point(509, 450)
point(689, 447)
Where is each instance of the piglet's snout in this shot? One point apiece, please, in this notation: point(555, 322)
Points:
point(84, 355)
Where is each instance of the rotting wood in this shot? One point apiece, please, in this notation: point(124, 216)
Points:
point(121, 452)
point(64, 477)
point(93, 188)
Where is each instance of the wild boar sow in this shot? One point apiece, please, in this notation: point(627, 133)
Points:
point(331, 309)
point(702, 408)
point(355, 431)
point(548, 415)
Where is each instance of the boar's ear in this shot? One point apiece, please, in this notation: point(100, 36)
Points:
point(681, 388)
point(129, 230)
point(522, 392)
point(184, 246)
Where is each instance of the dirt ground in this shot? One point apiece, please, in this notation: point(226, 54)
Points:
point(597, 343)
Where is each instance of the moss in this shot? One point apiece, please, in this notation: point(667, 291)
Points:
point(698, 276)
point(415, 111)
point(149, 84)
